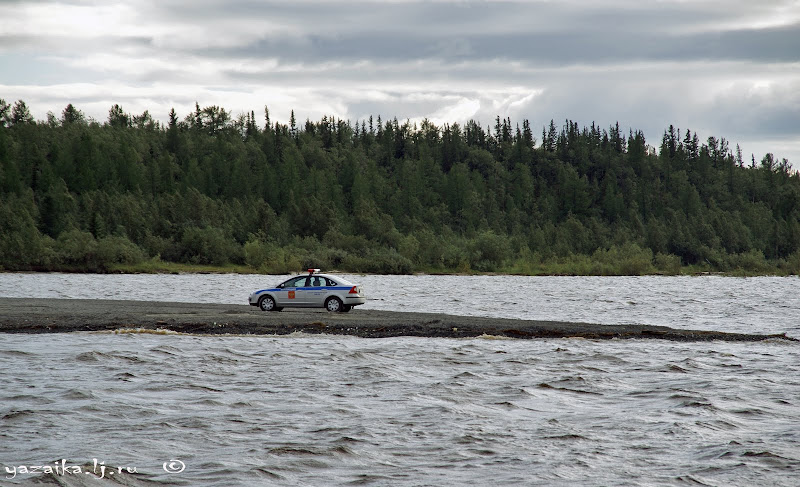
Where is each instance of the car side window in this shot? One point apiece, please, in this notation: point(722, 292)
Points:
point(330, 282)
point(297, 282)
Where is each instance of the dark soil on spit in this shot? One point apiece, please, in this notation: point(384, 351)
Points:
point(19, 315)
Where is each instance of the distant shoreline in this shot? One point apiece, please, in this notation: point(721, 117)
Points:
point(168, 268)
point(41, 315)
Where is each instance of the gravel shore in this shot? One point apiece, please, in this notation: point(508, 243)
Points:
point(19, 315)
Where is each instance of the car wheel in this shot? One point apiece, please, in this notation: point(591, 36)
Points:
point(266, 303)
point(346, 308)
point(333, 304)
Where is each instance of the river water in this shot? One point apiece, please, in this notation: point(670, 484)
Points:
point(336, 410)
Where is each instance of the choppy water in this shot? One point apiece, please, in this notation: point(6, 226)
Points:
point(333, 410)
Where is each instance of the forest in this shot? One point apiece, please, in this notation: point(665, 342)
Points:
point(214, 190)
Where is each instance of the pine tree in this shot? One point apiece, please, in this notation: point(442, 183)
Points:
point(118, 118)
point(552, 136)
point(71, 115)
point(5, 113)
point(172, 131)
point(20, 114)
point(527, 134)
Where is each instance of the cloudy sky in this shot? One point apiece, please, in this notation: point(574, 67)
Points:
point(724, 68)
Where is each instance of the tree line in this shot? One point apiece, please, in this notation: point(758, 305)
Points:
point(384, 196)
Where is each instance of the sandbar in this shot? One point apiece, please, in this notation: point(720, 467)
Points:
point(41, 315)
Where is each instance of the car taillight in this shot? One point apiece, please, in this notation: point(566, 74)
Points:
point(353, 290)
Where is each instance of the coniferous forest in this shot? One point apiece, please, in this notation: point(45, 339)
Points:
point(385, 196)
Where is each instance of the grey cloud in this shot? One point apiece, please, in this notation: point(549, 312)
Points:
point(449, 17)
point(772, 111)
point(552, 33)
point(643, 64)
point(763, 45)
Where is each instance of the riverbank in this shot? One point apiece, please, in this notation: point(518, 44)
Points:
point(36, 315)
point(569, 266)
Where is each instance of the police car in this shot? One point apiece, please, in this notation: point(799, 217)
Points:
point(313, 290)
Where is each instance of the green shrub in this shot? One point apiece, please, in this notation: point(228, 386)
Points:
point(792, 264)
point(579, 265)
point(351, 243)
point(118, 250)
point(430, 249)
point(752, 261)
point(324, 258)
point(77, 248)
point(668, 264)
point(256, 253)
point(269, 258)
point(161, 247)
point(626, 260)
point(488, 251)
point(378, 262)
point(21, 245)
point(527, 262)
point(208, 246)
point(409, 248)
point(454, 257)
point(634, 260)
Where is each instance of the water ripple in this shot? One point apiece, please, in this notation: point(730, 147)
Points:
point(323, 410)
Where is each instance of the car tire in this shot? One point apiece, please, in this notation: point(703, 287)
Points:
point(346, 308)
point(333, 304)
point(266, 303)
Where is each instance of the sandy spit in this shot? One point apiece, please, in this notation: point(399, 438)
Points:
point(22, 315)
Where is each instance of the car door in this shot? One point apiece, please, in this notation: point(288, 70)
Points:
point(291, 293)
point(316, 290)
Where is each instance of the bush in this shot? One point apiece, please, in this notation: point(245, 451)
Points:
point(21, 244)
point(668, 264)
point(350, 243)
point(77, 248)
point(752, 261)
point(269, 258)
point(429, 252)
point(161, 247)
point(455, 257)
point(409, 248)
point(208, 246)
point(379, 262)
point(118, 250)
point(256, 253)
point(527, 262)
point(627, 260)
point(488, 251)
point(634, 260)
point(792, 264)
point(580, 265)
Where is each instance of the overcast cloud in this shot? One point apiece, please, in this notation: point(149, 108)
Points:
point(723, 68)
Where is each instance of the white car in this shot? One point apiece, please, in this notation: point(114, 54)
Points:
point(312, 290)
